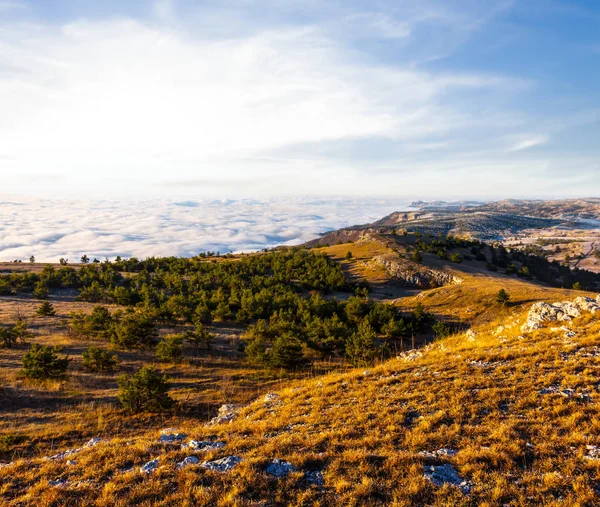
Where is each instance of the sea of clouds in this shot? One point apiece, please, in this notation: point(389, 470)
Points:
point(51, 229)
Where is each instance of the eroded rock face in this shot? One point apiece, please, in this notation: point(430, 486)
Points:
point(422, 278)
point(541, 313)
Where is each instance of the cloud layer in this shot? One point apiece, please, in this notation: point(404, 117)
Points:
point(50, 229)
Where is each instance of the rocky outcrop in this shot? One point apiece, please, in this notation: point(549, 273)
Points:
point(541, 313)
point(409, 276)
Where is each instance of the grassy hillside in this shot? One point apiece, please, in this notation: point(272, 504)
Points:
point(507, 415)
point(514, 413)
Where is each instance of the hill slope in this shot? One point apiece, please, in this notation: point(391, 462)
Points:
point(509, 418)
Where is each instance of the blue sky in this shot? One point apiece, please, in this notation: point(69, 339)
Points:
point(420, 98)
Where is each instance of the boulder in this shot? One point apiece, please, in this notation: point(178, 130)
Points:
point(203, 445)
point(151, 466)
point(223, 464)
point(279, 468)
point(190, 460)
point(446, 474)
point(170, 436)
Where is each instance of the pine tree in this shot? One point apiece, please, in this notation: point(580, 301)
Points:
point(503, 297)
point(46, 309)
point(360, 348)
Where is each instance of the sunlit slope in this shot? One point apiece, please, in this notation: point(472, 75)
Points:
point(515, 416)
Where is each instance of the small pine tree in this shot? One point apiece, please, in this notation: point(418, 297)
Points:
point(144, 391)
point(348, 255)
point(577, 286)
point(360, 348)
point(170, 349)
point(42, 362)
point(416, 256)
point(40, 290)
point(286, 352)
point(46, 309)
point(7, 338)
point(503, 297)
point(201, 337)
point(96, 359)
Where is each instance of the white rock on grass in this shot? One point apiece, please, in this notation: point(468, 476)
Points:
point(279, 468)
point(541, 312)
point(149, 467)
point(440, 453)
point(190, 460)
point(272, 399)
point(446, 474)
point(226, 414)
point(314, 477)
point(470, 334)
point(69, 452)
point(223, 464)
point(170, 436)
point(565, 392)
point(593, 452)
point(203, 445)
point(58, 483)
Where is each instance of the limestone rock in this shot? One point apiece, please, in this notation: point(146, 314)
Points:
point(203, 445)
point(278, 468)
point(149, 467)
point(446, 474)
point(223, 464)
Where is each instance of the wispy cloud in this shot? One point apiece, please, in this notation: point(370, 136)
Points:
point(529, 142)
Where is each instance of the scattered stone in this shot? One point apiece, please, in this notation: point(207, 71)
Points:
point(223, 464)
point(203, 445)
point(280, 469)
point(190, 460)
point(226, 414)
point(69, 452)
point(149, 467)
point(272, 399)
point(470, 334)
point(314, 477)
point(446, 474)
point(71, 462)
point(440, 453)
point(367, 373)
point(565, 392)
point(410, 355)
point(170, 436)
point(593, 452)
point(58, 483)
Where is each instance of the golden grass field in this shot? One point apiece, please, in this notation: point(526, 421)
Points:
point(362, 429)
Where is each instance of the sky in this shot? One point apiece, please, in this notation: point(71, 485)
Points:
point(274, 98)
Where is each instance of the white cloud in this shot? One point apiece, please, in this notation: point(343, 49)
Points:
point(51, 229)
point(153, 103)
point(529, 142)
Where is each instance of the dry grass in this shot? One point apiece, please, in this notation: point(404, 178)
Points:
point(516, 445)
point(482, 398)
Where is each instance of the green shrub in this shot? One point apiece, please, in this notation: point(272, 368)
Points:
point(286, 352)
point(360, 348)
point(144, 391)
point(200, 337)
point(503, 297)
point(135, 331)
point(46, 309)
point(170, 349)
point(441, 329)
point(96, 325)
point(97, 359)
point(8, 338)
point(42, 362)
point(455, 257)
